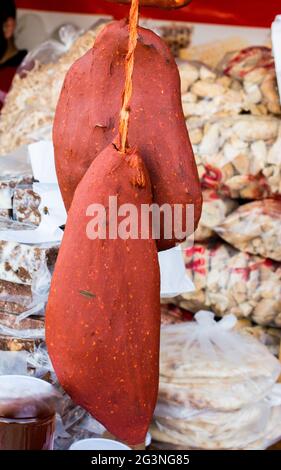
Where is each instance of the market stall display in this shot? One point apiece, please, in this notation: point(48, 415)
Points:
point(232, 111)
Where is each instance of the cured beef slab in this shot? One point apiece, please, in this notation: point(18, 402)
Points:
point(87, 118)
point(103, 313)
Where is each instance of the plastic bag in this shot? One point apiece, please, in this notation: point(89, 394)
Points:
point(16, 165)
point(217, 386)
point(26, 204)
point(214, 211)
point(50, 51)
point(239, 156)
point(20, 262)
point(245, 81)
point(23, 306)
point(270, 337)
point(254, 67)
point(255, 228)
point(254, 427)
point(206, 93)
point(30, 104)
point(230, 281)
point(218, 358)
point(13, 363)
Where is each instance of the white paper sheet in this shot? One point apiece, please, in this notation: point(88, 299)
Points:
point(16, 164)
point(53, 213)
point(43, 161)
point(52, 206)
point(174, 280)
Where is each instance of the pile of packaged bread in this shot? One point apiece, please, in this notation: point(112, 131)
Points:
point(217, 388)
point(213, 392)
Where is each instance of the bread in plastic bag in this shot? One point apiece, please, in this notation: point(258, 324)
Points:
point(218, 358)
point(221, 390)
point(255, 228)
point(230, 281)
point(214, 211)
point(245, 429)
point(240, 155)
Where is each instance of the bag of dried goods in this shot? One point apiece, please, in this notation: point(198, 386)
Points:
point(255, 228)
point(254, 67)
point(239, 155)
point(230, 281)
point(205, 93)
point(214, 210)
point(217, 386)
point(30, 105)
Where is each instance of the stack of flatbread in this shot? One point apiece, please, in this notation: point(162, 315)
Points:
point(216, 387)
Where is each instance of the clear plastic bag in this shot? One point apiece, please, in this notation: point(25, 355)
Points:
point(214, 211)
point(30, 105)
point(230, 281)
point(207, 93)
point(13, 363)
point(255, 68)
point(50, 51)
point(239, 156)
point(218, 358)
point(20, 263)
point(243, 81)
point(255, 228)
point(23, 307)
point(217, 386)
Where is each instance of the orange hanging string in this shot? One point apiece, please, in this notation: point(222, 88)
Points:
point(129, 68)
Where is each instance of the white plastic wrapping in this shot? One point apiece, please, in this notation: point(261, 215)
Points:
point(30, 104)
point(214, 210)
point(254, 68)
point(231, 281)
point(13, 363)
point(255, 228)
point(174, 279)
point(218, 359)
point(239, 156)
point(51, 50)
point(217, 387)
